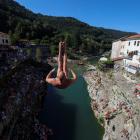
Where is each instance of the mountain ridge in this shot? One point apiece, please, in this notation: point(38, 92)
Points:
point(21, 22)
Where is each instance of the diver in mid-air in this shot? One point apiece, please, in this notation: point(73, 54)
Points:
point(61, 80)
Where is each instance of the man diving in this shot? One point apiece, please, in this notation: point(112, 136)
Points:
point(61, 81)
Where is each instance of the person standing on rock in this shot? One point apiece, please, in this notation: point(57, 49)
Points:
point(61, 81)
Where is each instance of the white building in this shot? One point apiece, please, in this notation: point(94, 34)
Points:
point(4, 39)
point(132, 45)
point(128, 49)
point(116, 49)
point(132, 65)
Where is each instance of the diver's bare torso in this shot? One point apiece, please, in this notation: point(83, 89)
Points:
point(63, 84)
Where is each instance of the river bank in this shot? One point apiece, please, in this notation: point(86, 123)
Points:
point(114, 104)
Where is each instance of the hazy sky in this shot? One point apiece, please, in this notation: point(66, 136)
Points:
point(115, 14)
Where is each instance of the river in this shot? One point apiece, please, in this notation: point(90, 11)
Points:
point(68, 113)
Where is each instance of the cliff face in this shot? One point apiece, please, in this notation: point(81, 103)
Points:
point(114, 104)
point(21, 97)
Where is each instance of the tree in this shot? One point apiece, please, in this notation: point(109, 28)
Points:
point(38, 54)
point(29, 52)
point(28, 36)
point(53, 50)
point(14, 38)
point(35, 41)
point(44, 42)
point(68, 40)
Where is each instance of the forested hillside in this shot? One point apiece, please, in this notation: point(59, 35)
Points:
point(22, 23)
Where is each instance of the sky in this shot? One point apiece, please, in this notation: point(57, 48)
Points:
point(114, 14)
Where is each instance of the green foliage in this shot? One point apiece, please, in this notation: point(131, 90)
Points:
point(53, 50)
point(105, 65)
point(36, 41)
point(109, 62)
point(101, 120)
point(44, 42)
point(69, 40)
point(38, 54)
point(14, 38)
point(29, 52)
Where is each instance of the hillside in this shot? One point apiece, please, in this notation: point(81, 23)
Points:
point(22, 23)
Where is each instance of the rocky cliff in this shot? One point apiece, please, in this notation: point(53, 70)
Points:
point(114, 104)
point(22, 92)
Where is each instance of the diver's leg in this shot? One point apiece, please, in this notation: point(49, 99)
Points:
point(60, 59)
point(65, 70)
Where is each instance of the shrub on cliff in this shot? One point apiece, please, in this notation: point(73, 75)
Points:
point(105, 65)
point(101, 120)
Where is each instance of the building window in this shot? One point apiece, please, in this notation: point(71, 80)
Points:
point(6, 41)
point(138, 43)
point(3, 41)
point(135, 52)
point(135, 43)
point(129, 44)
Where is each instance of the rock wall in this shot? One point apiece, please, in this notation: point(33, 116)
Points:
point(114, 104)
point(22, 92)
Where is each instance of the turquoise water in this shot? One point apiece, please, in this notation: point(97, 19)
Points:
point(68, 113)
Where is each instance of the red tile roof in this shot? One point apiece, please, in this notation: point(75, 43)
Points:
point(1, 33)
point(134, 36)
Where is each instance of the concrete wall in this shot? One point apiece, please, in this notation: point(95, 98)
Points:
point(116, 49)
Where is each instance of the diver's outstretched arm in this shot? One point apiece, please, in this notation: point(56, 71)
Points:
point(50, 74)
point(71, 81)
point(49, 78)
point(60, 57)
point(74, 75)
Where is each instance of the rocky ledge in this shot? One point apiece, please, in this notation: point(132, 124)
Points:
point(22, 92)
point(115, 104)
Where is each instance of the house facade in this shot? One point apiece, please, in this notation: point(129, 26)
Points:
point(4, 39)
point(116, 50)
point(128, 50)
